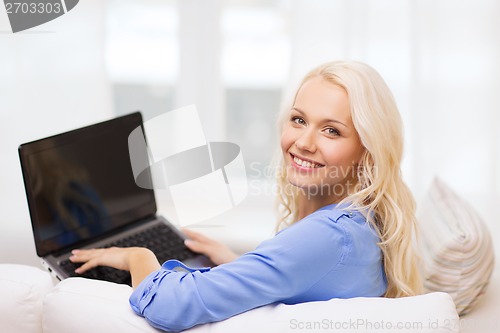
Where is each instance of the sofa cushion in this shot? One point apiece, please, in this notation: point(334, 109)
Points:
point(457, 250)
point(80, 306)
point(22, 289)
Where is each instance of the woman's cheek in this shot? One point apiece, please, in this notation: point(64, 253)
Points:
point(286, 140)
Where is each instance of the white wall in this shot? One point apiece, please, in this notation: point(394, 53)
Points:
point(52, 79)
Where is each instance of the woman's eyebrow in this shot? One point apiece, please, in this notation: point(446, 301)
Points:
point(325, 121)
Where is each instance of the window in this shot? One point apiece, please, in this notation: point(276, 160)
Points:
point(255, 66)
point(146, 72)
point(142, 55)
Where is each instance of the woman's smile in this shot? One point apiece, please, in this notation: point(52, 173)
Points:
point(304, 164)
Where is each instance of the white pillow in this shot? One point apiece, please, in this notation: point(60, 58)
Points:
point(457, 250)
point(80, 306)
point(22, 289)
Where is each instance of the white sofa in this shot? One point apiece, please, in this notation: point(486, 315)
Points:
point(31, 303)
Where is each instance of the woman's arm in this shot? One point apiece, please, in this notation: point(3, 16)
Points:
point(282, 268)
point(217, 252)
point(141, 261)
point(138, 260)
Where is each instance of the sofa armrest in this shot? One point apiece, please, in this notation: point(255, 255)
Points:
point(79, 306)
point(22, 289)
point(428, 313)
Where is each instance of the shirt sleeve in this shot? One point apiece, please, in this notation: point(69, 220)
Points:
point(288, 264)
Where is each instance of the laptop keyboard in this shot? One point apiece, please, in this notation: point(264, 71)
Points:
point(160, 239)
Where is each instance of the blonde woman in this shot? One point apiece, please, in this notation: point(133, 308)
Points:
point(349, 218)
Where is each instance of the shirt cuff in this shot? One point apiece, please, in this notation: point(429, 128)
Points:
point(143, 294)
point(145, 291)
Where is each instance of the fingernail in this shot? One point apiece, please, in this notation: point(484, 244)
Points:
point(187, 242)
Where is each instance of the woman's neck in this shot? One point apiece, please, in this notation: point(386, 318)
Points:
point(309, 204)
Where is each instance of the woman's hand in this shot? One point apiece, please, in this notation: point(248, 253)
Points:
point(138, 260)
point(217, 252)
point(115, 257)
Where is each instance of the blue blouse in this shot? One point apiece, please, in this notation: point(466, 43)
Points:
point(331, 253)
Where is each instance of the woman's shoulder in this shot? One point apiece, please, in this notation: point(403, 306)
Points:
point(337, 214)
point(332, 221)
point(326, 220)
point(341, 219)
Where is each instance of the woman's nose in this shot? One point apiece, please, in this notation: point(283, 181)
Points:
point(306, 141)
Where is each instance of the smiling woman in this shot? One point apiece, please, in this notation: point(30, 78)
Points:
point(320, 144)
point(353, 217)
point(342, 143)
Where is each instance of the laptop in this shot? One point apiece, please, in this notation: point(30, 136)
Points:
point(82, 193)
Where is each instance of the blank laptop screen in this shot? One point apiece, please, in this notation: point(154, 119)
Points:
point(80, 184)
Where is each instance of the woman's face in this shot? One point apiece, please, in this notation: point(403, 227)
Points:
point(319, 142)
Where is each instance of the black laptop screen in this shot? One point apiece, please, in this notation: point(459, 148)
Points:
point(80, 184)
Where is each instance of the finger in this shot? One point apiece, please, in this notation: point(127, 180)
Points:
point(196, 235)
point(196, 246)
point(83, 255)
point(86, 266)
point(190, 233)
point(199, 247)
point(78, 258)
point(75, 258)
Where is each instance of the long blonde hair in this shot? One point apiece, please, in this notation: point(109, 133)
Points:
point(380, 192)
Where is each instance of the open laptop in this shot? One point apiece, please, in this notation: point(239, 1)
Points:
point(82, 194)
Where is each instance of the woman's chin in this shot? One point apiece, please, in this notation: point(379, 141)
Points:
point(302, 184)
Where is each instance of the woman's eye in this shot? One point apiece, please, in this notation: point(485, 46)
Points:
point(298, 120)
point(332, 131)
